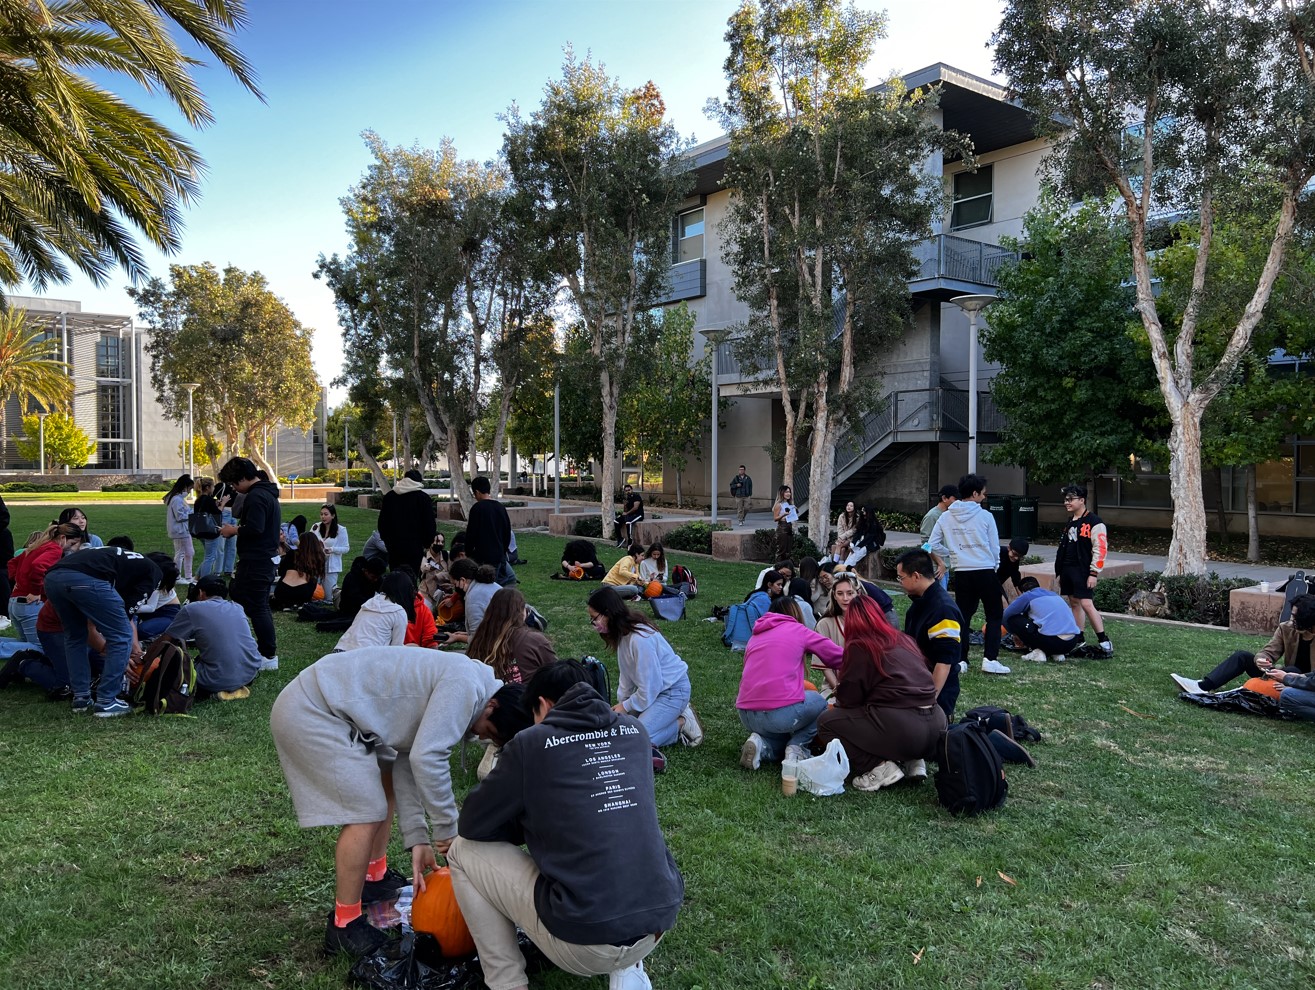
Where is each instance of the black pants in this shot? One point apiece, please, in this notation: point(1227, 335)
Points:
point(1021, 625)
point(973, 588)
point(4, 591)
point(625, 526)
point(1238, 663)
point(250, 589)
point(784, 540)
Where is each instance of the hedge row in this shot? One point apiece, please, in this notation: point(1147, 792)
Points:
point(31, 486)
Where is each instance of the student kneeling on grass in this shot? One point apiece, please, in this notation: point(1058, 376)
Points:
point(1043, 622)
point(1293, 641)
point(227, 660)
point(362, 733)
point(596, 886)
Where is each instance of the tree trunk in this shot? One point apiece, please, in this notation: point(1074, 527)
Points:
point(1187, 551)
point(679, 503)
point(376, 471)
point(822, 463)
point(1253, 521)
point(607, 469)
point(406, 439)
point(499, 438)
point(460, 486)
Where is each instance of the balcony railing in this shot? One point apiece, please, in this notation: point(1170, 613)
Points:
point(960, 259)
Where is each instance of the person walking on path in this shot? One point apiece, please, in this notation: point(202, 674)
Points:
point(407, 522)
point(966, 536)
point(257, 530)
point(1083, 547)
point(741, 491)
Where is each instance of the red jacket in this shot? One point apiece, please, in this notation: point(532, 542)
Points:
point(28, 569)
point(423, 631)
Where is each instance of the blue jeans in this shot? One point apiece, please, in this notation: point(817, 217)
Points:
point(1297, 703)
point(24, 616)
point(52, 673)
point(214, 556)
point(659, 718)
point(228, 544)
point(793, 725)
point(77, 598)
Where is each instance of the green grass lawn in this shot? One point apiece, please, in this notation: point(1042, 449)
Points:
point(1156, 845)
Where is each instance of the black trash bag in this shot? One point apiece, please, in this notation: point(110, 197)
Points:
point(415, 962)
point(1238, 700)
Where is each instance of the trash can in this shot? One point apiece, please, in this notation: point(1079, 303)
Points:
point(1022, 516)
point(998, 506)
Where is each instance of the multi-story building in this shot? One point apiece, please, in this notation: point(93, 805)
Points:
point(916, 440)
point(116, 404)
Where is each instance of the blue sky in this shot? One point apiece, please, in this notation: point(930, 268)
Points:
point(419, 70)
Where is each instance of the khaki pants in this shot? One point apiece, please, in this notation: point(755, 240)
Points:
point(741, 509)
point(494, 884)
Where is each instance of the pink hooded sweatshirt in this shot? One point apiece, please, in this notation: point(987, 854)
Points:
point(774, 662)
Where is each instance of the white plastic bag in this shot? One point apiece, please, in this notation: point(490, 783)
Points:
point(825, 774)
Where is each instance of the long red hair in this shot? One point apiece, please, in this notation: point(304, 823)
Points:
point(866, 625)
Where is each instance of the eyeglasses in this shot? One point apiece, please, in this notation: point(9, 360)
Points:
point(1071, 498)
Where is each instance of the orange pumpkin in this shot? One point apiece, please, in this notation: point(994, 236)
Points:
point(451, 608)
point(576, 573)
point(318, 596)
point(1263, 685)
point(436, 912)
point(653, 589)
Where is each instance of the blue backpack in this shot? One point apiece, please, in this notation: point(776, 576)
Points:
point(739, 624)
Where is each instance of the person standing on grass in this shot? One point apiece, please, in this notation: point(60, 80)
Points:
point(407, 522)
point(653, 682)
point(1083, 547)
point(741, 491)
point(774, 702)
point(488, 531)
point(595, 887)
point(207, 504)
point(885, 713)
point(785, 515)
point(178, 512)
point(934, 622)
point(368, 732)
point(966, 536)
point(947, 496)
point(1293, 641)
point(257, 530)
point(105, 586)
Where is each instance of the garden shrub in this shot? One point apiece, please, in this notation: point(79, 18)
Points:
point(1190, 598)
point(898, 522)
point(891, 554)
point(589, 525)
point(32, 486)
point(695, 537)
point(138, 486)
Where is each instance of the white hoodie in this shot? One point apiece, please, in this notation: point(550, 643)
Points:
point(966, 536)
point(380, 622)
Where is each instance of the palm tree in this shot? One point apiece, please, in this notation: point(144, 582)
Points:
point(81, 169)
point(29, 370)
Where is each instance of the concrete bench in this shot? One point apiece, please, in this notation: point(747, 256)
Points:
point(1253, 611)
point(1114, 567)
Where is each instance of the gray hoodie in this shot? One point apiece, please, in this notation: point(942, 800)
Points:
point(966, 536)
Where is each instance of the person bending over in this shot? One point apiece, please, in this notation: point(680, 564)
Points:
point(361, 733)
point(1292, 642)
point(595, 886)
point(1043, 621)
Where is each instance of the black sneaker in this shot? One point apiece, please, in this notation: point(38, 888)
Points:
point(383, 889)
point(1086, 652)
point(358, 938)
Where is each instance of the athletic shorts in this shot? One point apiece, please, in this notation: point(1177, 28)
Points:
point(1073, 583)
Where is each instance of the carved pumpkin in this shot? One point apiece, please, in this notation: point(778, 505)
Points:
point(435, 911)
point(576, 573)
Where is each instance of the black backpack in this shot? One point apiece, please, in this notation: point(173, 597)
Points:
point(598, 677)
point(971, 778)
point(165, 681)
point(1010, 723)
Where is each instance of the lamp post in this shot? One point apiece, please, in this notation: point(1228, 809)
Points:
point(557, 447)
point(395, 460)
point(191, 428)
point(41, 430)
point(346, 457)
point(972, 305)
point(714, 339)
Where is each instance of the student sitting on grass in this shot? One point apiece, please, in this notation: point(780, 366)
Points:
point(624, 575)
point(300, 572)
point(154, 617)
point(1043, 621)
point(477, 585)
point(364, 733)
point(595, 887)
point(653, 682)
point(1292, 641)
point(774, 702)
point(581, 557)
point(227, 660)
point(885, 712)
point(382, 621)
point(506, 643)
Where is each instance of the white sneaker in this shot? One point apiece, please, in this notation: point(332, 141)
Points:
point(691, 733)
point(1036, 656)
point(630, 978)
point(994, 667)
point(269, 663)
point(882, 775)
point(963, 666)
point(490, 760)
point(751, 753)
point(1188, 685)
point(4, 622)
point(1058, 657)
point(915, 771)
point(796, 753)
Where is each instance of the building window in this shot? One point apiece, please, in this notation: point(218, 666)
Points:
point(109, 410)
point(109, 350)
point(972, 198)
point(689, 237)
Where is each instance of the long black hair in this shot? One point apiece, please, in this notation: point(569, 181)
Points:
point(183, 483)
point(399, 588)
point(621, 619)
